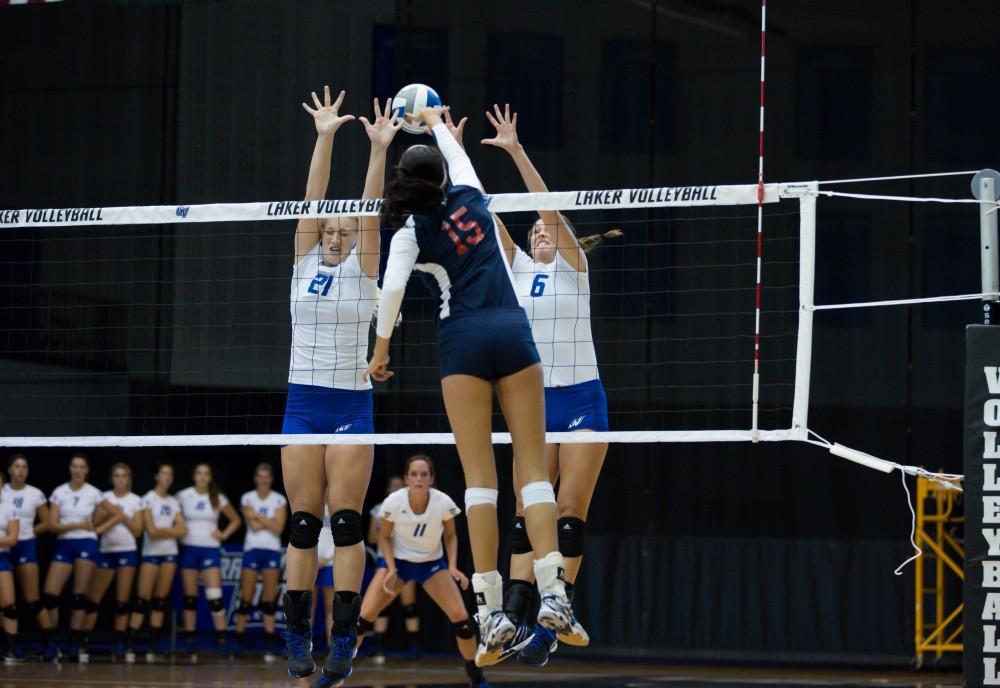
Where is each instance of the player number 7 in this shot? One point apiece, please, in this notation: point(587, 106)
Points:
point(462, 244)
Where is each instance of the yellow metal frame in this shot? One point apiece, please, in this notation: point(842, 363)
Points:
point(937, 515)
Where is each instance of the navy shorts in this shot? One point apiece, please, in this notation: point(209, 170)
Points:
point(315, 410)
point(24, 552)
point(68, 551)
point(489, 344)
point(576, 407)
point(116, 560)
point(261, 559)
point(200, 558)
point(159, 559)
point(420, 572)
point(324, 577)
point(5, 562)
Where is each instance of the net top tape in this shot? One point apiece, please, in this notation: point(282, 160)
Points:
point(654, 197)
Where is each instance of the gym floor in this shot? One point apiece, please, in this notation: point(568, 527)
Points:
point(433, 672)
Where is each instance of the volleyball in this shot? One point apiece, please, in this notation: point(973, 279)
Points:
point(411, 100)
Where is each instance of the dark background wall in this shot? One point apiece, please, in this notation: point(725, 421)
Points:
point(699, 548)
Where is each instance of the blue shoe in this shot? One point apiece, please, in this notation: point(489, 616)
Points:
point(300, 661)
point(543, 643)
point(337, 667)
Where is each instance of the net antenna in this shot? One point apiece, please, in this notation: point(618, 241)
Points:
point(754, 428)
point(986, 188)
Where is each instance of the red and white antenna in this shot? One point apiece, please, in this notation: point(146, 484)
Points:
point(754, 429)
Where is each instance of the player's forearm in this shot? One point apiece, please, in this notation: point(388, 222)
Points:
point(319, 168)
point(387, 553)
point(533, 182)
point(451, 551)
point(459, 166)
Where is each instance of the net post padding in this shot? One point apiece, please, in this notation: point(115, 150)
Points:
point(807, 275)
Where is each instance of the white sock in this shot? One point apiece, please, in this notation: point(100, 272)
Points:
point(550, 574)
point(489, 592)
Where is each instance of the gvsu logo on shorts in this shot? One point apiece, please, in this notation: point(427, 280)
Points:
point(182, 210)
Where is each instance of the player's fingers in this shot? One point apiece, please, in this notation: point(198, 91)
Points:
point(326, 95)
point(515, 120)
point(340, 100)
point(308, 109)
point(364, 120)
point(319, 105)
point(506, 111)
point(387, 113)
point(493, 121)
point(496, 110)
point(462, 122)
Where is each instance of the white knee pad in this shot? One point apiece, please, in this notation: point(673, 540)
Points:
point(478, 496)
point(213, 594)
point(538, 493)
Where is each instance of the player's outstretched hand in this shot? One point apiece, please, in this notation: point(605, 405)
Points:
point(326, 115)
point(431, 116)
point(384, 128)
point(506, 127)
point(378, 368)
point(456, 131)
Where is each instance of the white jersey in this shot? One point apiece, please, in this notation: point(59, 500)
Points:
point(417, 537)
point(332, 310)
point(326, 548)
point(25, 503)
point(556, 297)
point(268, 508)
point(163, 511)
point(76, 506)
point(120, 538)
point(7, 514)
point(200, 517)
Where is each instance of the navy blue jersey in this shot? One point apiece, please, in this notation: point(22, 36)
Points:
point(457, 245)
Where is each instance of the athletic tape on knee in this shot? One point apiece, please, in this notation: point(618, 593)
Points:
point(540, 492)
point(79, 602)
point(159, 604)
point(346, 527)
point(50, 601)
point(190, 602)
point(10, 612)
point(519, 541)
point(571, 532)
point(464, 629)
point(304, 531)
point(480, 496)
point(139, 605)
point(214, 597)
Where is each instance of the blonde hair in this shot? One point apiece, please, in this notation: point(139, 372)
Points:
point(125, 467)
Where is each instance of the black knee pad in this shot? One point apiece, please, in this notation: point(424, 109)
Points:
point(305, 529)
point(464, 629)
point(365, 626)
point(517, 599)
point(190, 603)
point(10, 612)
point(268, 608)
point(519, 542)
point(346, 528)
point(216, 606)
point(50, 601)
point(140, 606)
point(121, 608)
point(35, 607)
point(90, 606)
point(571, 531)
point(244, 607)
point(79, 602)
point(159, 604)
point(410, 611)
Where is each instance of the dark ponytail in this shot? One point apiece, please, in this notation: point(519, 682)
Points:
point(416, 187)
point(408, 195)
point(588, 243)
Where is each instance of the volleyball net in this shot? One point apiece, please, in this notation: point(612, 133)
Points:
point(170, 325)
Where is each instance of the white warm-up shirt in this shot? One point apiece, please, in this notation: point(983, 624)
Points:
point(25, 503)
point(267, 508)
point(417, 537)
point(200, 517)
point(163, 511)
point(119, 538)
point(76, 506)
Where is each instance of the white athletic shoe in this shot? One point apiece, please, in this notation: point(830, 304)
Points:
point(555, 612)
point(129, 657)
point(270, 658)
point(494, 633)
point(83, 657)
point(577, 637)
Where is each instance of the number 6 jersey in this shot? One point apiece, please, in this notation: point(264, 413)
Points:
point(416, 538)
